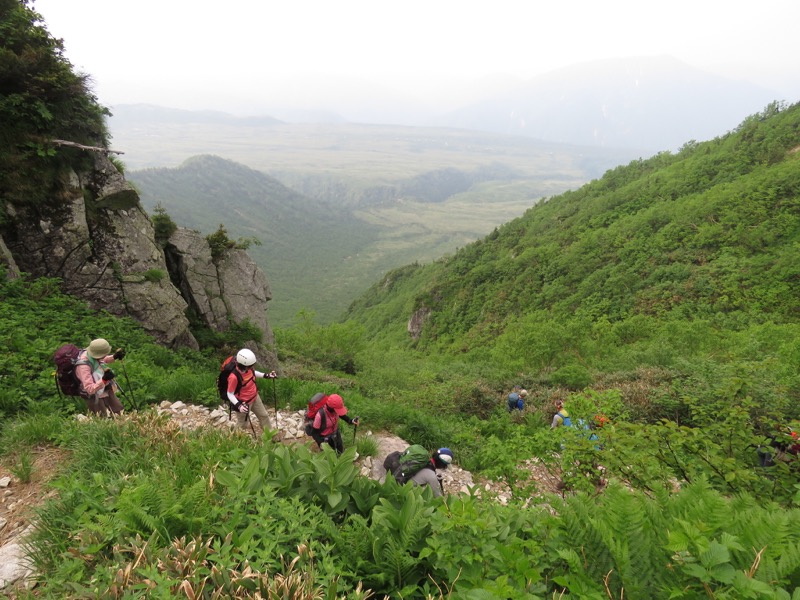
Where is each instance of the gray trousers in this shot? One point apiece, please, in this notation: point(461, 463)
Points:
point(258, 409)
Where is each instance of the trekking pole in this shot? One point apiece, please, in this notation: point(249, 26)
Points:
point(252, 427)
point(128, 381)
point(355, 428)
point(58, 387)
point(275, 398)
point(249, 420)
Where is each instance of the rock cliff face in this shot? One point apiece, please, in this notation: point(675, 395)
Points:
point(98, 239)
point(231, 288)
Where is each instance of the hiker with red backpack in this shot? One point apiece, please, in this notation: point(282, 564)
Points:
point(97, 385)
point(325, 426)
point(242, 392)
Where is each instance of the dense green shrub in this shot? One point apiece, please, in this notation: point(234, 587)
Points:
point(336, 346)
point(43, 100)
point(574, 377)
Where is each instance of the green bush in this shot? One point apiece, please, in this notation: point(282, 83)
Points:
point(154, 275)
point(573, 377)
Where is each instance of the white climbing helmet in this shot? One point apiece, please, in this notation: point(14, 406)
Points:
point(245, 357)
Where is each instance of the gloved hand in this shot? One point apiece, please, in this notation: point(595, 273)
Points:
point(108, 375)
point(271, 375)
point(243, 408)
point(119, 354)
point(356, 421)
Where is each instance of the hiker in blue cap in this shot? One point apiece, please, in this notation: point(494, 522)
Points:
point(428, 475)
point(414, 464)
point(516, 399)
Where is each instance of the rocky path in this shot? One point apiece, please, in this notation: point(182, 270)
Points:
point(18, 498)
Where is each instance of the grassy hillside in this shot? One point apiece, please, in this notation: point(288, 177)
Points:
point(662, 263)
point(137, 503)
point(186, 511)
point(704, 243)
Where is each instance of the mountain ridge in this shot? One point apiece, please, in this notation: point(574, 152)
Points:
point(709, 234)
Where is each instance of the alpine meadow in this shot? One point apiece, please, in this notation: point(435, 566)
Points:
point(658, 304)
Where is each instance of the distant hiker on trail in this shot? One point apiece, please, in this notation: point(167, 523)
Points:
point(783, 444)
point(96, 379)
point(561, 417)
point(415, 465)
point(325, 428)
point(243, 378)
point(515, 399)
point(521, 402)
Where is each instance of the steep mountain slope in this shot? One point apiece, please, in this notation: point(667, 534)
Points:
point(707, 240)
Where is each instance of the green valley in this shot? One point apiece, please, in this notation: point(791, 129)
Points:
point(336, 206)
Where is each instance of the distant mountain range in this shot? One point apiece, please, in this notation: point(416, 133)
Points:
point(650, 104)
point(654, 103)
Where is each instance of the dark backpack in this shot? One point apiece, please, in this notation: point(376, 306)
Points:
point(316, 403)
point(404, 465)
point(227, 367)
point(66, 359)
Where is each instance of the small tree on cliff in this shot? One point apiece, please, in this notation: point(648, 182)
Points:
point(219, 242)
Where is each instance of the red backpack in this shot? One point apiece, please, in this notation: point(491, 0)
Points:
point(66, 359)
point(316, 403)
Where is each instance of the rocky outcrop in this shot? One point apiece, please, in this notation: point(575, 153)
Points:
point(417, 322)
point(222, 292)
point(95, 236)
point(100, 242)
point(7, 261)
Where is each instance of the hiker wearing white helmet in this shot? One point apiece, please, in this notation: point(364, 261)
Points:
point(243, 392)
point(96, 379)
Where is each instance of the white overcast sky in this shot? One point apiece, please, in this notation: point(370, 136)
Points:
point(200, 54)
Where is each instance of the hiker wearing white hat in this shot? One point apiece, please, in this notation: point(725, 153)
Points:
point(96, 379)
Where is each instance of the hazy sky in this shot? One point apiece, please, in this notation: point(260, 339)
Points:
point(243, 55)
